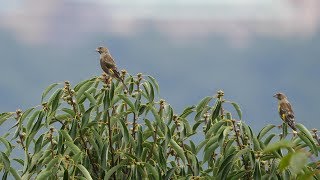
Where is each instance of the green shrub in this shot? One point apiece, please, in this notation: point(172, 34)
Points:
point(95, 130)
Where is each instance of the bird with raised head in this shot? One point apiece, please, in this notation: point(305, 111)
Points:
point(108, 64)
point(285, 110)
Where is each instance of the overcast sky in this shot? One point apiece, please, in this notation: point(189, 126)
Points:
point(251, 49)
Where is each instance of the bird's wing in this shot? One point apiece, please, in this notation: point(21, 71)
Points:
point(108, 61)
point(287, 114)
point(285, 110)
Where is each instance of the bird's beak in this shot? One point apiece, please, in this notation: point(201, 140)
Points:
point(275, 95)
point(97, 50)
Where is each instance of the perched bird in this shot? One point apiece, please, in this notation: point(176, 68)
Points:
point(285, 110)
point(108, 65)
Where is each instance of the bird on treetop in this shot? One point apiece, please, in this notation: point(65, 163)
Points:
point(108, 64)
point(285, 110)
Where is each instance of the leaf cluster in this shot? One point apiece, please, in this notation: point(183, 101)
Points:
point(97, 130)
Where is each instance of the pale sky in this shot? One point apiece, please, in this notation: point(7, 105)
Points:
point(34, 20)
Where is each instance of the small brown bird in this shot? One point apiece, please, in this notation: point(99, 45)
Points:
point(285, 110)
point(108, 65)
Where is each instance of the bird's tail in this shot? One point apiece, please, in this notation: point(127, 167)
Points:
point(117, 75)
point(291, 123)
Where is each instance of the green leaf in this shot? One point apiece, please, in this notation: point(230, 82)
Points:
point(149, 125)
point(25, 114)
point(84, 171)
point(54, 100)
point(257, 171)
point(151, 92)
point(152, 171)
point(278, 145)
point(72, 147)
point(216, 110)
point(15, 174)
point(31, 120)
point(90, 98)
point(265, 130)
point(83, 97)
point(5, 116)
point(86, 117)
point(66, 136)
point(154, 82)
point(53, 162)
point(296, 160)
point(124, 130)
point(37, 125)
point(187, 111)
point(225, 166)
point(214, 128)
point(203, 103)
point(309, 142)
point(200, 114)
point(237, 175)
point(111, 91)
point(142, 109)
point(38, 144)
point(169, 173)
point(44, 174)
point(237, 108)
point(74, 128)
point(79, 85)
point(200, 145)
point(285, 162)
point(113, 170)
point(269, 138)
point(156, 116)
point(304, 130)
point(178, 150)
point(196, 125)
point(7, 144)
point(256, 143)
point(82, 89)
point(104, 157)
point(69, 111)
point(127, 100)
point(308, 176)
point(5, 161)
point(208, 152)
point(66, 175)
point(46, 91)
point(62, 117)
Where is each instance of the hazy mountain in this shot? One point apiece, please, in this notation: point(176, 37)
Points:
point(186, 71)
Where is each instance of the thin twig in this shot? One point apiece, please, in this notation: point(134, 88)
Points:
point(245, 163)
point(73, 104)
point(184, 150)
point(110, 145)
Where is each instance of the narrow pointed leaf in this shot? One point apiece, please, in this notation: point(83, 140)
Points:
point(265, 130)
point(154, 82)
point(75, 149)
point(46, 91)
point(178, 150)
point(84, 171)
point(127, 100)
point(237, 108)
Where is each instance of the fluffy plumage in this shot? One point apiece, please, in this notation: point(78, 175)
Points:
point(108, 64)
point(285, 110)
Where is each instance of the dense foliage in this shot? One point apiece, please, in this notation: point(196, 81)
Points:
point(96, 130)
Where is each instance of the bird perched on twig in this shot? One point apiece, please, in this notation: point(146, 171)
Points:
point(108, 65)
point(285, 110)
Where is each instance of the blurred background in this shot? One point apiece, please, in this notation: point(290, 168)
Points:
point(250, 49)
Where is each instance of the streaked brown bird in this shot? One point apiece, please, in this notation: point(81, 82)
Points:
point(285, 110)
point(108, 65)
